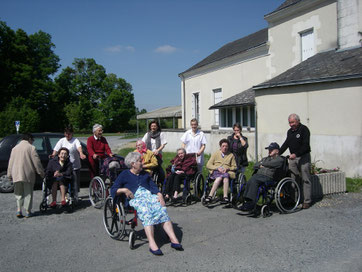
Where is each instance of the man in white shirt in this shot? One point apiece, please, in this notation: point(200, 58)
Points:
point(194, 141)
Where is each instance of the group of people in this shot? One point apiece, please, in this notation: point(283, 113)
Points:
point(136, 182)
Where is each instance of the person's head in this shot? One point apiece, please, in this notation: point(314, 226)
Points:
point(237, 128)
point(181, 152)
point(63, 154)
point(133, 161)
point(141, 146)
point(98, 130)
point(28, 137)
point(68, 133)
point(273, 149)
point(154, 126)
point(294, 121)
point(224, 145)
point(194, 124)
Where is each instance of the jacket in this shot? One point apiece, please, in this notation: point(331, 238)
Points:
point(228, 161)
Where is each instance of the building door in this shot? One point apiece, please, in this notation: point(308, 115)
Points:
point(307, 39)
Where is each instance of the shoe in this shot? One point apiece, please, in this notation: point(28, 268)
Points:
point(246, 207)
point(208, 199)
point(157, 252)
point(28, 214)
point(63, 203)
point(305, 206)
point(225, 200)
point(19, 215)
point(53, 204)
point(177, 247)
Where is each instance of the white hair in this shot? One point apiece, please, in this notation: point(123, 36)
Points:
point(97, 126)
point(294, 116)
point(132, 157)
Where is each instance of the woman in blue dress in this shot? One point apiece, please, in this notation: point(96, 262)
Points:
point(144, 196)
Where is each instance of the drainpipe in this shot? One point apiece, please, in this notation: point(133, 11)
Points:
point(183, 100)
point(256, 133)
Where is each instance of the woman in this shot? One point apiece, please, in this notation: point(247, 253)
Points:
point(238, 146)
point(155, 141)
point(75, 155)
point(183, 164)
point(149, 161)
point(98, 148)
point(222, 166)
point(144, 196)
point(59, 173)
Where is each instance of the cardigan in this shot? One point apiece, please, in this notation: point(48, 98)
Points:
point(216, 161)
point(149, 160)
point(99, 147)
point(188, 164)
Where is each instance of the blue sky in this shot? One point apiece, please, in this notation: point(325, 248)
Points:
point(148, 43)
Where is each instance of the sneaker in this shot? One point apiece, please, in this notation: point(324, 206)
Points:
point(28, 214)
point(19, 215)
point(246, 207)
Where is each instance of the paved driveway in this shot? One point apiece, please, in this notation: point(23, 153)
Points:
point(327, 237)
point(115, 142)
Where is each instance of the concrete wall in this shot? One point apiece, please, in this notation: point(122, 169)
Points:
point(349, 23)
point(284, 34)
point(332, 112)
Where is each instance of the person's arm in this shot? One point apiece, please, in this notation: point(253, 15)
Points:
point(284, 145)
point(201, 150)
point(10, 165)
point(305, 146)
point(80, 150)
point(37, 163)
point(163, 144)
point(90, 147)
point(150, 160)
point(233, 166)
point(184, 140)
point(277, 162)
point(211, 163)
point(107, 148)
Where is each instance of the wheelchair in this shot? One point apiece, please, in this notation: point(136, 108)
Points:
point(99, 185)
point(284, 191)
point(117, 217)
point(46, 195)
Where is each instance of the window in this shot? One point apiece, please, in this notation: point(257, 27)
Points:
point(307, 44)
point(217, 99)
point(40, 145)
point(196, 106)
point(243, 115)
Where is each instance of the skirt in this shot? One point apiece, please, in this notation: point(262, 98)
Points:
point(149, 209)
point(216, 174)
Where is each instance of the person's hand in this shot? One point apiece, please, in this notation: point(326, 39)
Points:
point(110, 154)
point(129, 194)
point(292, 156)
point(161, 200)
point(57, 174)
point(95, 156)
point(82, 156)
point(155, 152)
point(178, 172)
point(199, 153)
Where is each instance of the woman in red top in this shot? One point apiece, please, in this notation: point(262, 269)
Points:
point(98, 148)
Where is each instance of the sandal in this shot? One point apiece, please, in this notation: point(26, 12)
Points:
point(208, 199)
point(225, 200)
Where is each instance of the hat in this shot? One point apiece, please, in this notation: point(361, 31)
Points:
point(273, 146)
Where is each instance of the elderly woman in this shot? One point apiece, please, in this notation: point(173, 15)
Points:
point(183, 164)
point(59, 173)
point(144, 196)
point(98, 148)
point(222, 166)
point(75, 155)
point(149, 160)
point(238, 145)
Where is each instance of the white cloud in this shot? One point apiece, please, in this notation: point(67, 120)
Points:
point(165, 49)
point(119, 48)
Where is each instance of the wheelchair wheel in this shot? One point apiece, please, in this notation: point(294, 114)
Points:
point(265, 211)
point(97, 192)
point(237, 194)
point(199, 186)
point(114, 219)
point(132, 239)
point(287, 195)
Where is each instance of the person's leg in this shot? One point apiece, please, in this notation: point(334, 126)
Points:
point(63, 190)
point(295, 174)
point(168, 186)
point(54, 190)
point(305, 166)
point(149, 230)
point(252, 187)
point(226, 187)
point(28, 199)
point(76, 183)
point(176, 184)
point(19, 194)
point(167, 226)
point(215, 186)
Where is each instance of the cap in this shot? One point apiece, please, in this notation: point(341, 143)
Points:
point(272, 146)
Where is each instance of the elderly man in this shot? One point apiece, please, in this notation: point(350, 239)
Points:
point(297, 141)
point(98, 148)
point(23, 165)
point(265, 170)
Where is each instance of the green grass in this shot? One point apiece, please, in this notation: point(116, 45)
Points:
point(354, 185)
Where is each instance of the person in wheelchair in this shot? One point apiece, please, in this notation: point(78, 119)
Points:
point(149, 160)
point(59, 174)
point(181, 166)
point(146, 199)
point(98, 149)
point(222, 166)
point(264, 171)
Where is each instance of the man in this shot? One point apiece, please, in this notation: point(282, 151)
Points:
point(265, 170)
point(297, 141)
point(98, 148)
point(194, 141)
point(23, 165)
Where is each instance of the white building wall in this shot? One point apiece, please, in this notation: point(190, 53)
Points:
point(349, 16)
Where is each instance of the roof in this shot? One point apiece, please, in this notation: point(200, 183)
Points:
point(167, 112)
point(286, 4)
point(241, 99)
point(236, 47)
point(323, 67)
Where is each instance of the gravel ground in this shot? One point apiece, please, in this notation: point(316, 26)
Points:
point(326, 237)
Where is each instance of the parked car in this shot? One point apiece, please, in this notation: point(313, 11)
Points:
point(44, 144)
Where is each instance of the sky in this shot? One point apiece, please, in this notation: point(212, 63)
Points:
point(146, 42)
